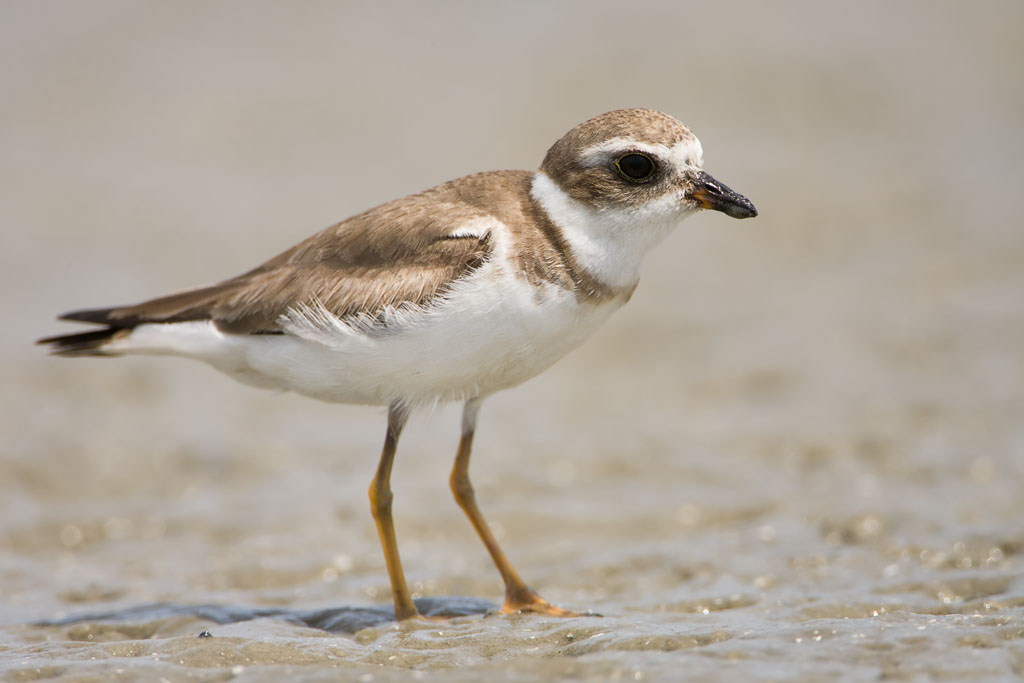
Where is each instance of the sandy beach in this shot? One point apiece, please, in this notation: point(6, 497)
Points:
point(797, 454)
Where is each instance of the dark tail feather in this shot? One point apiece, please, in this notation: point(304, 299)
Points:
point(82, 343)
point(118, 321)
point(85, 343)
point(100, 316)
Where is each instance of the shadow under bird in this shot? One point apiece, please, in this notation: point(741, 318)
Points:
point(452, 294)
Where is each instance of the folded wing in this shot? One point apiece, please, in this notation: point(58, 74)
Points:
point(398, 254)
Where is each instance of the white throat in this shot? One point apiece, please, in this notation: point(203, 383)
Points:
point(609, 243)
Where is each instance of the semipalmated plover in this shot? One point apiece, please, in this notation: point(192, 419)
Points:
point(451, 294)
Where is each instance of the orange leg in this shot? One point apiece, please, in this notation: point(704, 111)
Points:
point(518, 596)
point(380, 506)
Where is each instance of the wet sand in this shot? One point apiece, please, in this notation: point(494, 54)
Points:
point(797, 454)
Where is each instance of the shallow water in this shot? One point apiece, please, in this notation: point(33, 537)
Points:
point(797, 454)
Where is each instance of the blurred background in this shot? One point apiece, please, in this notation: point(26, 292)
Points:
point(821, 406)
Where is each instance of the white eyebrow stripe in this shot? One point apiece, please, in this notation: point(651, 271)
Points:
point(602, 152)
point(684, 154)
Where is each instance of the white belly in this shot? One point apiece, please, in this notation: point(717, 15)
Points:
point(491, 332)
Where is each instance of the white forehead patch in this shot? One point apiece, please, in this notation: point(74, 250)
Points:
point(684, 154)
point(689, 152)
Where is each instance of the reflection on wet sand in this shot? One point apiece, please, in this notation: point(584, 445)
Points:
point(332, 620)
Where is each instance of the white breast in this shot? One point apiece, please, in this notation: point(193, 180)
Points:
point(493, 331)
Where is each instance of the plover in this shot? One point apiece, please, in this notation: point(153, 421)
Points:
point(451, 294)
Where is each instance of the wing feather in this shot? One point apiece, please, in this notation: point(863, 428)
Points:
point(403, 253)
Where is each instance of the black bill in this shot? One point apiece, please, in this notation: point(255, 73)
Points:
point(711, 194)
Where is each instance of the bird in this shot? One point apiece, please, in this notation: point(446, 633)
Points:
point(452, 294)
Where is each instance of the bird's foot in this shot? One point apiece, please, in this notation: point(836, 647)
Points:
point(531, 602)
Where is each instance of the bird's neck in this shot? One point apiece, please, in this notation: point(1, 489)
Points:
point(609, 244)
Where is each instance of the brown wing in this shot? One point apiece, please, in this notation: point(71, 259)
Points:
point(405, 252)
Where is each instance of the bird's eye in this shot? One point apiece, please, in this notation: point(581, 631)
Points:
point(635, 166)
